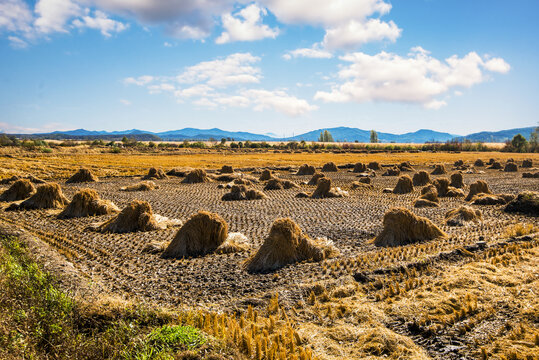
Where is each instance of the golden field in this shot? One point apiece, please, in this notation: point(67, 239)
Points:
point(471, 294)
point(64, 161)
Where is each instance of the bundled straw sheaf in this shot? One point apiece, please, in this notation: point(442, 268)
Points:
point(86, 202)
point(287, 244)
point(402, 227)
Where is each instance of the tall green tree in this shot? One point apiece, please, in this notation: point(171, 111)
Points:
point(374, 136)
point(325, 136)
point(519, 143)
point(534, 140)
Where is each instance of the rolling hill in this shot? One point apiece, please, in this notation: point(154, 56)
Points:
point(340, 134)
point(497, 136)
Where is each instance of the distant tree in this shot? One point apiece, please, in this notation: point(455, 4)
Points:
point(125, 140)
point(223, 141)
point(325, 136)
point(292, 145)
point(534, 140)
point(519, 143)
point(374, 136)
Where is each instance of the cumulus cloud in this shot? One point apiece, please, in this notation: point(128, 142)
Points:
point(418, 78)
point(54, 14)
point(278, 100)
point(100, 21)
point(434, 104)
point(193, 19)
point(356, 33)
point(49, 17)
point(199, 90)
point(314, 52)
point(233, 100)
point(141, 80)
point(159, 88)
point(246, 26)
point(222, 83)
point(234, 69)
point(324, 12)
point(17, 42)
point(15, 16)
point(347, 22)
point(497, 65)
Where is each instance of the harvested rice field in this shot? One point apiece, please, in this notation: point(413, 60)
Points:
point(349, 283)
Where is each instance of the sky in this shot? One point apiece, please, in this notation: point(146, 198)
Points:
point(282, 67)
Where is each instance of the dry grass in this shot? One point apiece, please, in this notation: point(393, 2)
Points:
point(415, 308)
point(64, 162)
point(520, 229)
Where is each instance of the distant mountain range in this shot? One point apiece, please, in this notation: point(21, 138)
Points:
point(339, 134)
point(498, 136)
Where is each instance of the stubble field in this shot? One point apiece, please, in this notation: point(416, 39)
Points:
point(470, 295)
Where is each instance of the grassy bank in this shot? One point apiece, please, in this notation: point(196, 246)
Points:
point(39, 321)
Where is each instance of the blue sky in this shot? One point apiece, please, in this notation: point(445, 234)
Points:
point(273, 66)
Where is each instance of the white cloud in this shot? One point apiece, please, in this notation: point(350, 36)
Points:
point(125, 102)
point(323, 12)
point(418, 50)
point(15, 15)
point(187, 31)
point(314, 52)
point(100, 22)
point(278, 100)
point(347, 22)
point(435, 104)
point(193, 19)
point(140, 81)
point(233, 100)
point(205, 102)
point(356, 33)
point(234, 69)
point(195, 91)
point(159, 88)
point(222, 83)
point(417, 78)
point(54, 14)
point(9, 128)
point(248, 29)
point(17, 42)
point(497, 65)
point(49, 17)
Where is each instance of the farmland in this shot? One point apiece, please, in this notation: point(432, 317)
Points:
point(471, 294)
